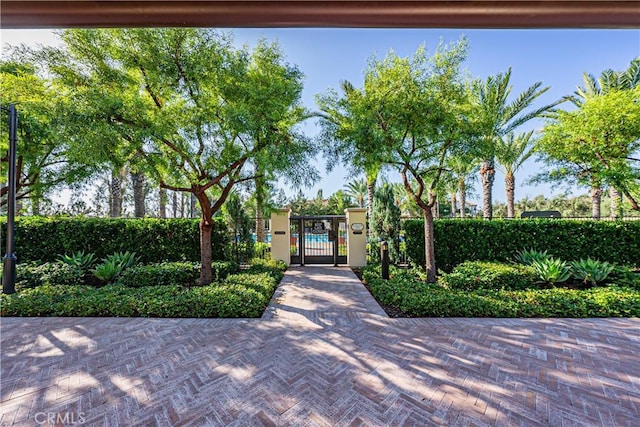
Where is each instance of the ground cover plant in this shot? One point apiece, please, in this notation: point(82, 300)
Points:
point(156, 290)
point(476, 289)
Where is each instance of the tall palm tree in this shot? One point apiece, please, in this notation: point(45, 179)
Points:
point(462, 171)
point(357, 190)
point(607, 81)
point(498, 117)
point(511, 152)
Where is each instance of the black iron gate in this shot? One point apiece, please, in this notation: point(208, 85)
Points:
point(318, 240)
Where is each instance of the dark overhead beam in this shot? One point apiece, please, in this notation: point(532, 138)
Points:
point(312, 13)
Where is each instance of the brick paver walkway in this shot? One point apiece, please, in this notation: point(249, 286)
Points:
point(324, 354)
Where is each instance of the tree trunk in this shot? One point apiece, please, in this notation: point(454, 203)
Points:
point(596, 199)
point(616, 203)
point(454, 206)
point(260, 234)
point(429, 247)
point(462, 192)
point(115, 199)
point(510, 186)
point(487, 173)
point(137, 181)
point(175, 204)
point(205, 252)
point(371, 186)
point(192, 206)
point(35, 204)
point(162, 197)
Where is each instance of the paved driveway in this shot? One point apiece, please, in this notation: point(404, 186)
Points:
point(324, 354)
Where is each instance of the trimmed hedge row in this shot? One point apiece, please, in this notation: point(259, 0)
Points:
point(411, 297)
point(150, 301)
point(183, 273)
point(152, 239)
point(457, 241)
point(239, 295)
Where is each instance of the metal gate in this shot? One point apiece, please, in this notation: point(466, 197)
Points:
point(318, 240)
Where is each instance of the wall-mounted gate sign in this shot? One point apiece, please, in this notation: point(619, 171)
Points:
point(318, 240)
point(318, 228)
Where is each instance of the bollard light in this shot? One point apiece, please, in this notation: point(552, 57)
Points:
point(384, 257)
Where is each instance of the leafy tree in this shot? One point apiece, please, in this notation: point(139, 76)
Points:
point(597, 145)
point(608, 80)
point(195, 111)
point(43, 158)
point(346, 127)
point(411, 114)
point(497, 118)
point(511, 152)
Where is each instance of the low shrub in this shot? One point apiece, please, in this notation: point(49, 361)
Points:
point(275, 268)
point(625, 277)
point(221, 269)
point(411, 297)
point(264, 283)
point(472, 275)
point(161, 274)
point(31, 275)
point(239, 295)
point(119, 301)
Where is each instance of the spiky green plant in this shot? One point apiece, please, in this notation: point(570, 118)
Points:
point(79, 260)
point(552, 270)
point(113, 265)
point(591, 271)
point(108, 270)
point(528, 256)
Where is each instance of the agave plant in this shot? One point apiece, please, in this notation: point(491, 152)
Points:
point(552, 270)
point(124, 259)
point(78, 260)
point(113, 265)
point(527, 257)
point(591, 271)
point(108, 270)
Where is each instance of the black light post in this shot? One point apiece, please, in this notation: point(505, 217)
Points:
point(384, 258)
point(9, 260)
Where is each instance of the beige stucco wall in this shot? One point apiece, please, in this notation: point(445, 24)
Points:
point(356, 241)
point(280, 235)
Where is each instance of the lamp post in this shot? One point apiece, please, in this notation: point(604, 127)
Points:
point(9, 260)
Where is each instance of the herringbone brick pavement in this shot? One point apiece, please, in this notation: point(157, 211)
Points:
point(324, 354)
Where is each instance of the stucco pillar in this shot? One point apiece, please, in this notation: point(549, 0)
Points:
point(356, 237)
point(280, 235)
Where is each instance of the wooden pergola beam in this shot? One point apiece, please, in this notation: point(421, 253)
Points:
point(312, 13)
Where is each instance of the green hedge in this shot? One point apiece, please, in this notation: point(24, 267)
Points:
point(408, 296)
point(122, 301)
point(239, 295)
point(153, 240)
point(457, 241)
point(472, 275)
point(173, 273)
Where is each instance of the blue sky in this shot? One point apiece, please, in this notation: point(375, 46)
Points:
point(557, 58)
